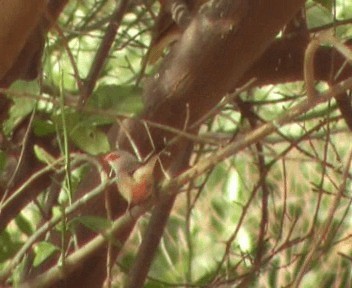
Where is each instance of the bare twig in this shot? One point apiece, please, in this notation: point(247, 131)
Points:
point(103, 51)
point(322, 234)
point(322, 38)
point(56, 219)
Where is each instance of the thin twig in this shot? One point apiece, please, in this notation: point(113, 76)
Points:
point(103, 51)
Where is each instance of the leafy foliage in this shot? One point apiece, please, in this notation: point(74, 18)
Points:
point(277, 198)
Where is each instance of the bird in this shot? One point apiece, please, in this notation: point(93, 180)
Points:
point(134, 180)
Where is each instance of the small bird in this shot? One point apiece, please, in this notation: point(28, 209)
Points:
point(135, 180)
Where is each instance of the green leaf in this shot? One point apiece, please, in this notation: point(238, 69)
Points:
point(83, 131)
point(2, 160)
point(96, 224)
point(8, 246)
point(22, 106)
point(24, 224)
point(90, 139)
point(43, 128)
point(122, 99)
point(217, 176)
point(20, 109)
point(43, 251)
point(328, 4)
point(43, 155)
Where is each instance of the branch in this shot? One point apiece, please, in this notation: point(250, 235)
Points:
point(44, 228)
point(75, 260)
point(103, 50)
point(170, 188)
point(191, 83)
point(256, 135)
point(195, 82)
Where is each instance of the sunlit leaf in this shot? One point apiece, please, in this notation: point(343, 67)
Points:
point(121, 99)
point(43, 155)
point(328, 4)
point(9, 245)
point(43, 251)
point(90, 140)
point(84, 132)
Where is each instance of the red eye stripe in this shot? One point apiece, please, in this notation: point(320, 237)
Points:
point(111, 157)
point(107, 162)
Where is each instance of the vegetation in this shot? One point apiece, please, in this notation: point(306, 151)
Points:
point(248, 106)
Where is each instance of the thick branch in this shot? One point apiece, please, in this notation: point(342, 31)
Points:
point(207, 62)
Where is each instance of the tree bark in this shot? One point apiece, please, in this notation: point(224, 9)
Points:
point(203, 66)
point(214, 56)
